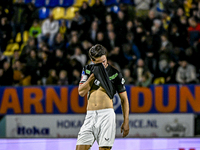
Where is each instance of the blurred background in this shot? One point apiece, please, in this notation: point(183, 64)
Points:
point(44, 45)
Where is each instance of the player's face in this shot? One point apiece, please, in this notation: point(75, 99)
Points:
point(102, 60)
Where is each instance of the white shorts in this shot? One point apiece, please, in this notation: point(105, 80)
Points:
point(99, 125)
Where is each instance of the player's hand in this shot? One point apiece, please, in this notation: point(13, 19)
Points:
point(92, 76)
point(125, 128)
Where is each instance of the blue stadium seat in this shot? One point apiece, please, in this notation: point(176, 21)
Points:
point(52, 3)
point(44, 13)
point(27, 1)
point(39, 3)
point(110, 2)
point(130, 2)
point(114, 9)
point(66, 3)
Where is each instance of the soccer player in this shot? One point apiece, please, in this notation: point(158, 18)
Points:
point(99, 122)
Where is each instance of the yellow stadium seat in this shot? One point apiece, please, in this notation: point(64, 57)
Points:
point(159, 80)
point(18, 37)
point(15, 46)
point(58, 13)
point(70, 12)
point(79, 3)
point(10, 49)
point(25, 36)
point(92, 2)
point(8, 53)
point(9, 46)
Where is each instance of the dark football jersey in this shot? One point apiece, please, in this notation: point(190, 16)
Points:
point(115, 77)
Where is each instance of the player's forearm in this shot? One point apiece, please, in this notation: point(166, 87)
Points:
point(125, 106)
point(85, 87)
point(125, 110)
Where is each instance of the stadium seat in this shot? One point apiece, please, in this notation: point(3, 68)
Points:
point(39, 3)
point(18, 37)
point(44, 13)
point(70, 12)
point(78, 3)
point(52, 3)
point(10, 49)
point(130, 2)
point(110, 2)
point(27, 1)
point(25, 36)
point(114, 9)
point(58, 13)
point(66, 3)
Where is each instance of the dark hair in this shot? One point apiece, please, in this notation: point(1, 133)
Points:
point(97, 51)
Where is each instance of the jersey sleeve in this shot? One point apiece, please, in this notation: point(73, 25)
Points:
point(84, 76)
point(119, 83)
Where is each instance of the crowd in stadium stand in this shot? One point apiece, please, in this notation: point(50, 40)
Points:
point(149, 41)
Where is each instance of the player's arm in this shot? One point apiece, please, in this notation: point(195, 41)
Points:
point(86, 86)
point(125, 110)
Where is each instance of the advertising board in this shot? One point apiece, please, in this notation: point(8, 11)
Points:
point(151, 125)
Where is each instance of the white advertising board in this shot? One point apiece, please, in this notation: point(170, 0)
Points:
point(141, 125)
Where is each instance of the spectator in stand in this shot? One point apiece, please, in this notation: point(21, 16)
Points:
point(127, 76)
point(166, 48)
point(120, 26)
point(74, 64)
point(32, 66)
point(19, 18)
point(129, 27)
point(162, 72)
point(60, 62)
point(131, 52)
point(78, 55)
point(172, 73)
point(148, 22)
point(73, 43)
point(77, 21)
point(7, 74)
point(76, 77)
point(109, 28)
point(101, 39)
point(145, 80)
point(142, 7)
point(99, 10)
point(186, 73)
point(92, 34)
point(18, 72)
point(59, 42)
point(192, 57)
point(112, 41)
point(44, 66)
point(5, 33)
point(52, 78)
point(63, 29)
point(35, 29)
point(32, 14)
point(26, 50)
point(194, 31)
point(15, 57)
point(139, 70)
point(86, 12)
point(49, 29)
point(63, 80)
point(175, 37)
